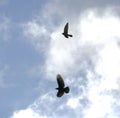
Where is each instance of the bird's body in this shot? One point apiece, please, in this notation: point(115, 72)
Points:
point(65, 33)
point(61, 86)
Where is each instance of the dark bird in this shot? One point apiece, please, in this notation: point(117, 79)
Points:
point(65, 33)
point(61, 86)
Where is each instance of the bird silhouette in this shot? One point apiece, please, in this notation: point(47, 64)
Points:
point(61, 86)
point(65, 33)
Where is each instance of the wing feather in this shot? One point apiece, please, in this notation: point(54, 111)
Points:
point(60, 81)
point(60, 93)
point(66, 28)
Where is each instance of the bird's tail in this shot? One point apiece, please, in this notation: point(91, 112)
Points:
point(66, 89)
point(70, 35)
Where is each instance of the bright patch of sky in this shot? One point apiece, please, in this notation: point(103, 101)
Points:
point(33, 51)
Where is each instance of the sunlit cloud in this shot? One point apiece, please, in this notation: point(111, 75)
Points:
point(91, 62)
point(28, 113)
point(73, 103)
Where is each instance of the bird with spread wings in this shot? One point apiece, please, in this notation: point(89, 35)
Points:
point(61, 86)
point(65, 33)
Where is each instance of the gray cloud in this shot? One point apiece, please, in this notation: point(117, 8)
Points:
point(69, 9)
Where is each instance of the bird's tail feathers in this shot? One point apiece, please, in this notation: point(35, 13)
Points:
point(70, 35)
point(66, 89)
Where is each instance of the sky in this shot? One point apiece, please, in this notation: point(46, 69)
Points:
point(33, 51)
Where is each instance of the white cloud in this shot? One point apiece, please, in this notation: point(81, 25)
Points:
point(109, 65)
point(100, 91)
point(28, 113)
point(98, 45)
point(41, 108)
point(104, 29)
point(91, 61)
point(37, 34)
point(34, 30)
point(73, 103)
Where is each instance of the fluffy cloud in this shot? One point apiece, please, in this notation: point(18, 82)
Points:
point(89, 62)
point(28, 113)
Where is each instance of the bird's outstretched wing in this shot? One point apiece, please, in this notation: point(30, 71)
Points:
point(60, 93)
point(60, 81)
point(66, 29)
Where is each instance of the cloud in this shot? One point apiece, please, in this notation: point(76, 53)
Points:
point(89, 62)
point(103, 35)
point(69, 10)
point(35, 30)
point(73, 103)
point(28, 113)
point(37, 34)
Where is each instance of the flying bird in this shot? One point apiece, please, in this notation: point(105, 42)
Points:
point(61, 86)
point(65, 33)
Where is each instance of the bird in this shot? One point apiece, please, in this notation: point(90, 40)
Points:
point(61, 86)
point(65, 33)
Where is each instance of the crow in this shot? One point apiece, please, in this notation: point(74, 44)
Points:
point(65, 33)
point(61, 86)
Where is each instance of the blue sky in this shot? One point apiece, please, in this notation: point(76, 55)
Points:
point(33, 51)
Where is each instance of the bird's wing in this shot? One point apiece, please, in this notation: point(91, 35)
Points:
point(60, 81)
point(66, 28)
point(60, 93)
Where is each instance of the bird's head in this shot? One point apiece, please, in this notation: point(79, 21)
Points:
point(56, 88)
